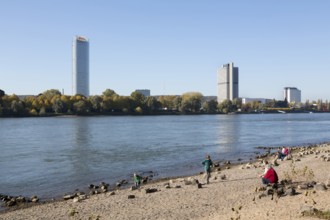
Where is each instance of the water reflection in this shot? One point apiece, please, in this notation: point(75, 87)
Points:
point(80, 150)
point(229, 134)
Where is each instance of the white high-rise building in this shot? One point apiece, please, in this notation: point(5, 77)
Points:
point(80, 66)
point(227, 82)
point(292, 94)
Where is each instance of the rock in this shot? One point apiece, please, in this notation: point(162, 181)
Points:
point(131, 196)
point(290, 192)
point(262, 195)
point(76, 199)
point(327, 183)
point(307, 210)
point(223, 177)
point(303, 186)
point(34, 199)
point(112, 193)
point(167, 187)
point(187, 182)
point(269, 192)
point(177, 186)
point(10, 203)
point(20, 199)
point(67, 197)
point(133, 188)
point(320, 187)
point(150, 190)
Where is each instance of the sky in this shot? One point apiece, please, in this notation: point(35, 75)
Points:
point(168, 46)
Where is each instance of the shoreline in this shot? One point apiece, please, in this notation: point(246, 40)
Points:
point(237, 169)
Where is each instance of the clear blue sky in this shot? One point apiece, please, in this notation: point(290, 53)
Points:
point(168, 46)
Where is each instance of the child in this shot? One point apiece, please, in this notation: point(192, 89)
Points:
point(137, 180)
point(207, 166)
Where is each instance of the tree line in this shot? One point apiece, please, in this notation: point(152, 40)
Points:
point(52, 102)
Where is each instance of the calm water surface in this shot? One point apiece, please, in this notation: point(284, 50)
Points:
point(51, 156)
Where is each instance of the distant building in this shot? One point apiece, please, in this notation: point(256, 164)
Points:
point(227, 82)
point(292, 94)
point(145, 92)
point(260, 100)
point(80, 66)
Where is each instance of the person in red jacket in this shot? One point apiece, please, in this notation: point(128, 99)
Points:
point(270, 175)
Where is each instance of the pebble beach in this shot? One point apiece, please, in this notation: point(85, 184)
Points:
point(234, 192)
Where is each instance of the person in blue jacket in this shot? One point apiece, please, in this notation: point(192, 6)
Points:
point(207, 166)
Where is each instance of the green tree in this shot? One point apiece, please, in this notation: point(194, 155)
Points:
point(226, 106)
point(95, 103)
point(2, 93)
point(210, 106)
point(59, 106)
point(109, 93)
point(191, 102)
point(49, 94)
point(17, 107)
point(81, 107)
point(138, 99)
point(151, 104)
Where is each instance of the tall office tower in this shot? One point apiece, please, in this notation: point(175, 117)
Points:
point(227, 82)
point(292, 94)
point(80, 66)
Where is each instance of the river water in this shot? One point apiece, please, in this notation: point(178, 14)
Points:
point(50, 156)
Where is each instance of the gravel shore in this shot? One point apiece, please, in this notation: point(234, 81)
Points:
point(233, 193)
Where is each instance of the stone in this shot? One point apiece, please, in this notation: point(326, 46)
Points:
point(187, 182)
point(150, 190)
point(290, 192)
point(303, 186)
point(320, 187)
point(131, 196)
point(223, 177)
point(327, 183)
point(67, 197)
point(76, 199)
point(20, 199)
point(307, 210)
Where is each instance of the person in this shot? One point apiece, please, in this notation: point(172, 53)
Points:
point(137, 180)
point(283, 153)
point(207, 166)
point(269, 175)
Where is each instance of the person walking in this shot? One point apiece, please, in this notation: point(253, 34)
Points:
point(207, 166)
point(137, 180)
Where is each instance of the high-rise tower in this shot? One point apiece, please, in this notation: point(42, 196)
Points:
point(227, 82)
point(292, 94)
point(80, 66)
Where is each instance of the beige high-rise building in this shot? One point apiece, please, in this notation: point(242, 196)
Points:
point(80, 66)
point(227, 82)
point(292, 94)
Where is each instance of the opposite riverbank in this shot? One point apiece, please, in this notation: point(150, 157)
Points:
point(234, 193)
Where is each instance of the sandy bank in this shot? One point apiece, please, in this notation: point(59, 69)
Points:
point(232, 197)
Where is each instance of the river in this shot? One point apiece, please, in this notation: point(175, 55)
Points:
point(53, 155)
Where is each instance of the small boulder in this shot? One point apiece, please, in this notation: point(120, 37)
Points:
point(320, 187)
point(131, 196)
